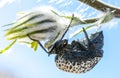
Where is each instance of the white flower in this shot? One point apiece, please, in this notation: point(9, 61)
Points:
point(41, 24)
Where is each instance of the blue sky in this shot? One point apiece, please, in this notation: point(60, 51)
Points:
point(25, 63)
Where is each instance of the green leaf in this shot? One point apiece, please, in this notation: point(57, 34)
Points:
point(8, 24)
point(34, 45)
point(107, 17)
point(25, 42)
point(8, 47)
point(55, 12)
point(21, 29)
point(21, 13)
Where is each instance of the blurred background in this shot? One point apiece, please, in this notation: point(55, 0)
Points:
point(22, 62)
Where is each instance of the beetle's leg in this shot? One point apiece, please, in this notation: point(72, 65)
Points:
point(87, 39)
point(67, 27)
point(63, 33)
point(38, 43)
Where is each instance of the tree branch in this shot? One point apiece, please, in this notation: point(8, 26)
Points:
point(101, 6)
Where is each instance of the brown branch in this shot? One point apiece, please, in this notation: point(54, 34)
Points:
point(101, 6)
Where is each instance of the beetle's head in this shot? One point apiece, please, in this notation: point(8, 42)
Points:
point(58, 47)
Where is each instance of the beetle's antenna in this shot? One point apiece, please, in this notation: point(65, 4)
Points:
point(87, 39)
point(38, 43)
point(67, 27)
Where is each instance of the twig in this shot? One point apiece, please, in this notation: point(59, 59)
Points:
point(102, 6)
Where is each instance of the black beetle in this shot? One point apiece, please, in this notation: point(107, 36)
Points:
point(79, 56)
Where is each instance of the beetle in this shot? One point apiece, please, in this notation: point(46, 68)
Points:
point(78, 56)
